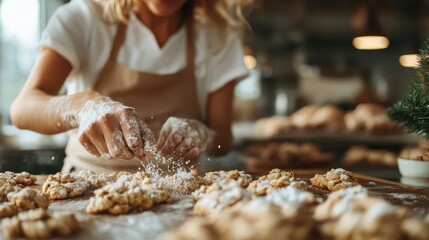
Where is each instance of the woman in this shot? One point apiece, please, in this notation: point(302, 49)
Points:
point(142, 77)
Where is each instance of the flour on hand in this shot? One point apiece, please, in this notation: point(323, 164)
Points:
point(111, 130)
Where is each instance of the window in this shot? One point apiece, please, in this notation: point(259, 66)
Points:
point(21, 24)
point(19, 34)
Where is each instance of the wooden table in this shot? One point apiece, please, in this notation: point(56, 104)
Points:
point(150, 224)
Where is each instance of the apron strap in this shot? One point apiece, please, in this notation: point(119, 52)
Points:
point(190, 48)
point(117, 43)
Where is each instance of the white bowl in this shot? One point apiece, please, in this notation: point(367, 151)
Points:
point(416, 182)
point(413, 168)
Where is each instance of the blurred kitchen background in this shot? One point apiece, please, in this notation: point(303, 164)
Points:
point(299, 52)
point(300, 46)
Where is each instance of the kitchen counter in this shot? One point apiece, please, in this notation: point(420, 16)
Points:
point(245, 133)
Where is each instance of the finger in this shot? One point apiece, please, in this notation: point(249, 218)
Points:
point(192, 153)
point(196, 151)
point(86, 143)
point(96, 137)
point(163, 136)
point(186, 145)
point(131, 133)
point(114, 139)
point(202, 146)
point(166, 130)
point(173, 142)
point(117, 147)
point(148, 139)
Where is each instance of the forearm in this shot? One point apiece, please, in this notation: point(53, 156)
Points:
point(219, 119)
point(40, 112)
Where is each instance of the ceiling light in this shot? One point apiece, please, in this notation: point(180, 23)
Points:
point(369, 34)
point(370, 42)
point(409, 57)
point(409, 60)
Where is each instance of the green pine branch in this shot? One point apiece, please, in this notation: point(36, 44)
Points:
point(412, 112)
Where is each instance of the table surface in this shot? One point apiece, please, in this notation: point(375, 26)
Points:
point(161, 218)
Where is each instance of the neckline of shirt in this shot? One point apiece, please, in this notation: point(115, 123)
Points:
point(136, 22)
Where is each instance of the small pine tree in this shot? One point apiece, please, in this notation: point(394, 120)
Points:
point(412, 112)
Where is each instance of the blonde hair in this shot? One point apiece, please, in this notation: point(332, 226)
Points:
point(220, 13)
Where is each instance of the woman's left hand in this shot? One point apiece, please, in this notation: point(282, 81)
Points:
point(187, 138)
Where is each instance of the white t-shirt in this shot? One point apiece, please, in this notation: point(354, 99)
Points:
point(77, 32)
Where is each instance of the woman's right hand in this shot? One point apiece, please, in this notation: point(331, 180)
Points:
point(105, 128)
point(109, 129)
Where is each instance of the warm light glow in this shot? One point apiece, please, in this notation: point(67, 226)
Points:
point(250, 61)
point(22, 30)
point(370, 42)
point(409, 60)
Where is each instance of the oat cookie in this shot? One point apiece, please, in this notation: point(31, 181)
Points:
point(193, 229)
point(38, 224)
point(353, 213)
point(371, 118)
point(141, 175)
point(137, 176)
point(123, 197)
point(5, 188)
point(64, 185)
point(339, 202)
point(23, 178)
point(7, 209)
point(219, 196)
point(241, 177)
point(183, 182)
point(155, 186)
point(118, 198)
point(274, 125)
point(282, 154)
point(96, 180)
point(156, 190)
point(275, 179)
point(28, 198)
point(361, 154)
point(289, 201)
point(200, 192)
point(334, 180)
point(415, 229)
point(374, 218)
point(300, 185)
point(240, 224)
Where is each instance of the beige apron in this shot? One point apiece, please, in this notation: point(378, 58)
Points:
point(155, 98)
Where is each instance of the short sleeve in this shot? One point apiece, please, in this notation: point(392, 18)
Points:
point(67, 31)
point(227, 64)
